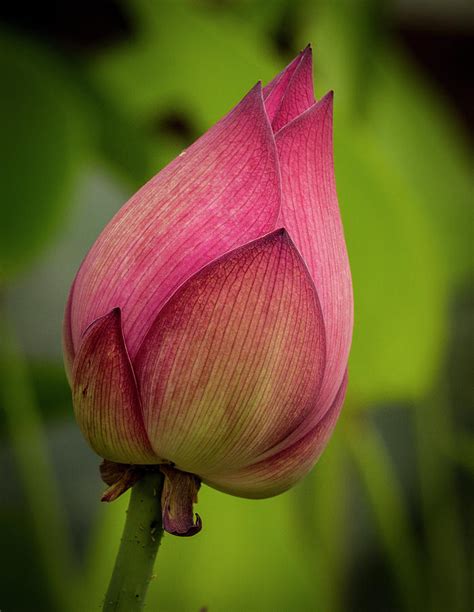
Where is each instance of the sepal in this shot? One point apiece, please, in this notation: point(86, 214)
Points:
point(180, 491)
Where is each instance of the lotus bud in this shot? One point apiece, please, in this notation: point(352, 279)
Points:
point(207, 331)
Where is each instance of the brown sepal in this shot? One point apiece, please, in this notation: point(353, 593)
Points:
point(180, 491)
point(120, 477)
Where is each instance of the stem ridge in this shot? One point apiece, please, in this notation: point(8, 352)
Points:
point(140, 542)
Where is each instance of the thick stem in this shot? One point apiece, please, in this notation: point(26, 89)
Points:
point(140, 541)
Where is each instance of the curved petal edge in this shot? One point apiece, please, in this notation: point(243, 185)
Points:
point(105, 395)
point(274, 91)
point(234, 361)
point(298, 94)
point(222, 191)
point(310, 211)
point(282, 469)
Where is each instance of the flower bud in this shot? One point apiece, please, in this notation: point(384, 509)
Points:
point(208, 328)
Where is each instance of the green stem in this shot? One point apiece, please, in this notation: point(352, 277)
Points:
point(140, 541)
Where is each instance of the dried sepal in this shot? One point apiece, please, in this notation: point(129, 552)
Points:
point(180, 490)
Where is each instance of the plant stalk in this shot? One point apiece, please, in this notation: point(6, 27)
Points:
point(140, 542)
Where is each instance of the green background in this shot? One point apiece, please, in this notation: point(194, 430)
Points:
point(383, 521)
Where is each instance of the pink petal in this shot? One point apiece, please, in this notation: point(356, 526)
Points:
point(68, 346)
point(281, 470)
point(105, 396)
point(274, 91)
point(310, 211)
point(235, 360)
point(294, 94)
point(221, 192)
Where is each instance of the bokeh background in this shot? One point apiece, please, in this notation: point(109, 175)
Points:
point(96, 98)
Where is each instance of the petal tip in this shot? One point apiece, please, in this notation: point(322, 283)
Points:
point(255, 92)
point(105, 394)
point(283, 235)
point(329, 96)
point(327, 100)
point(280, 232)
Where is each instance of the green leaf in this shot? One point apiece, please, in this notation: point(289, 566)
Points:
point(344, 35)
point(389, 508)
point(399, 293)
point(47, 523)
point(42, 142)
point(182, 59)
point(320, 506)
point(405, 191)
point(266, 16)
point(416, 130)
point(440, 503)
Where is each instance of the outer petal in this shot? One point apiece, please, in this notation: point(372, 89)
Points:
point(282, 469)
point(68, 347)
point(310, 211)
point(298, 95)
point(274, 91)
point(235, 359)
point(221, 192)
point(105, 395)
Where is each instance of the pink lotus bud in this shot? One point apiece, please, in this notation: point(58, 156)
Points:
point(208, 328)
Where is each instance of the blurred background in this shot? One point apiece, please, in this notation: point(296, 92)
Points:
point(96, 98)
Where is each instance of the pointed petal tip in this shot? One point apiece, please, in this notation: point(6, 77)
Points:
point(328, 98)
point(224, 191)
point(105, 394)
point(280, 232)
point(311, 212)
point(254, 93)
point(304, 52)
point(298, 94)
point(113, 317)
point(326, 103)
point(307, 54)
point(284, 237)
point(323, 107)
